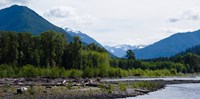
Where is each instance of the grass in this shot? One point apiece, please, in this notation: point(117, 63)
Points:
point(123, 86)
point(110, 88)
point(145, 84)
point(74, 91)
point(9, 92)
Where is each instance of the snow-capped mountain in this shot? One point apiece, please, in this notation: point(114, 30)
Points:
point(84, 37)
point(120, 50)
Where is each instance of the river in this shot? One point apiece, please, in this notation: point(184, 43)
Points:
point(176, 91)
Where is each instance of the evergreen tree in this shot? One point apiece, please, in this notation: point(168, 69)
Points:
point(130, 55)
point(52, 46)
point(9, 48)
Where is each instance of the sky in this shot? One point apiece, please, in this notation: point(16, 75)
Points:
point(114, 22)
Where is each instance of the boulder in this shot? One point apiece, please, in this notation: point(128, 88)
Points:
point(21, 90)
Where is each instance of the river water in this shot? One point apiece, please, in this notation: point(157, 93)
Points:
point(176, 91)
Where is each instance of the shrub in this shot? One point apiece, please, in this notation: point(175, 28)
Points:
point(88, 72)
point(75, 73)
point(122, 86)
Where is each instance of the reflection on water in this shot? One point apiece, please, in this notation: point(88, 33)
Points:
point(177, 91)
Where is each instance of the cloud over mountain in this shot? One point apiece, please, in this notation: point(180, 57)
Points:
point(171, 30)
point(4, 2)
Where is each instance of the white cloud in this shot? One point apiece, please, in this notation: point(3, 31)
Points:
point(19, 1)
point(68, 17)
point(166, 32)
point(119, 20)
point(61, 12)
point(123, 41)
point(6, 3)
point(192, 14)
point(2, 2)
point(170, 30)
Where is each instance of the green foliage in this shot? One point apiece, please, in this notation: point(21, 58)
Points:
point(88, 72)
point(5, 87)
point(94, 47)
point(69, 85)
point(110, 88)
point(75, 73)
point(49, 55)
point(130, 55)
point(32, 71)
point(145, 84)
point(123, 86)
point(52, 45)
point(9, 48)
point(94, 59)
point(150, 73)
point(29, 71)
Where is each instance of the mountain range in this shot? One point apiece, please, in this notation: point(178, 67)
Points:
point(120, 50)
point(169, 46)
point(23, 19)
point(84, 37)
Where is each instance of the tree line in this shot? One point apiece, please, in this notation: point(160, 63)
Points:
point(51, 55)
point(49, 49)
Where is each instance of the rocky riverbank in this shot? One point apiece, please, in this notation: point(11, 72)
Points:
point(59, 88)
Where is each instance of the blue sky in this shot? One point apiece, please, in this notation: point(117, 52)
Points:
point(113, 22)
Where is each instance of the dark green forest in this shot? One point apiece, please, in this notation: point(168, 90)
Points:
point(51, 55)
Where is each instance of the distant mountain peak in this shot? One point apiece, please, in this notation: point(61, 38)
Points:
point(18, 8)
point(22, 19)
point(16, 5)
point(120, 50)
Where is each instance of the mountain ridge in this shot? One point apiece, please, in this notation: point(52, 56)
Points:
point(84, 37)
point(169, 46)
point(120, 50)
point(23, 19)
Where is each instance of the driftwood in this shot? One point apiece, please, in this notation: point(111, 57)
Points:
point(92, 84)
point(49, 82)
point(142, 90)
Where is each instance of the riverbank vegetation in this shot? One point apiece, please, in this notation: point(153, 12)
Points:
point(50, 55)
point(75, 89)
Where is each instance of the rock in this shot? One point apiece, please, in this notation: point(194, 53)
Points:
point(88, 81)
point(77, 80)
point(64, 82)
point(98, 80)
point(130, 91)
point(142, 90)
point(20, 83)
point(77, 84)
point(21, 90)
